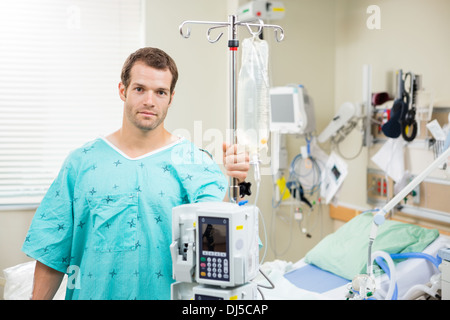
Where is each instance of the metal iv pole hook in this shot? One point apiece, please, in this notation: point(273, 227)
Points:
point(188, 30)
point(260, 26)
point(187, 34)
point(208, 34)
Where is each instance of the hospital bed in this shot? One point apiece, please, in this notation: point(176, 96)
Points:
point(326, 272)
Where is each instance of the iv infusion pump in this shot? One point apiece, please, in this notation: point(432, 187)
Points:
point(214, 244)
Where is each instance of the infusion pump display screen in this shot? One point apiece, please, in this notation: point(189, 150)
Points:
point(214, 248)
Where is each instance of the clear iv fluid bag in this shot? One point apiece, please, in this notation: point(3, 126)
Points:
point(253, 96)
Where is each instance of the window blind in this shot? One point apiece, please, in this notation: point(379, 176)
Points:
point(60, 63)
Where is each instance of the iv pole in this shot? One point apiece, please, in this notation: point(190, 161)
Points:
point(233, 44)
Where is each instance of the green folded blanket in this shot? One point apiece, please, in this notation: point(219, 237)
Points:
point(345, 252)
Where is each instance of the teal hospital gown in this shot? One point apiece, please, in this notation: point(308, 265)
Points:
point(106, 220)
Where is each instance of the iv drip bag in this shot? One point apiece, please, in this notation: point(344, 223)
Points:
point(253, 96)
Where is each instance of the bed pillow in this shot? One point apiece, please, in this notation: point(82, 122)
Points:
point(345, 251)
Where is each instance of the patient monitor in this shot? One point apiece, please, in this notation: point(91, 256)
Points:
point(214, 244)
point(291, 110)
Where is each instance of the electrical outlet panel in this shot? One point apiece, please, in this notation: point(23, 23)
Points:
point(379, 187)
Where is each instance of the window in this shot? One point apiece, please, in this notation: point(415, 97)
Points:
point(60, 63)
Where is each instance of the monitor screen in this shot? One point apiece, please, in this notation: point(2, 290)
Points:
point(336, 172)
point(282, 108)
point(214, 236)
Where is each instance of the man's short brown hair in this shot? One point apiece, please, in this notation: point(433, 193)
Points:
point(153, 57)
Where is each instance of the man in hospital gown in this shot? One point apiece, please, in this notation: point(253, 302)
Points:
point(106, 219)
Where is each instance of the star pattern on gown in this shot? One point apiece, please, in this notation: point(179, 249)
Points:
point(109, 195)
point(108, 199)
point(131, 223)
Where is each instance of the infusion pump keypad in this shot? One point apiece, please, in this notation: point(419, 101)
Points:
point(214, 265)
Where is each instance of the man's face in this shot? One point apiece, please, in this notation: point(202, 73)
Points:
point(147, 97)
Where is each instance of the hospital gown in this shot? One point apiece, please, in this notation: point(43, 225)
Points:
point(106, 219)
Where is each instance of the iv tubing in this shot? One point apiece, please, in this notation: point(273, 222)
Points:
point(257, 175)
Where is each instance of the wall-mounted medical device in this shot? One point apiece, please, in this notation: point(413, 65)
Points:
point(215, 243)
point(350, 114)
point(333, 175)
point(345, 117)
point(291, 110)
point(261, 9)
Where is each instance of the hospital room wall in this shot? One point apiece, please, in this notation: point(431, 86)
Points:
point(200, 107)
point(412, 36)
